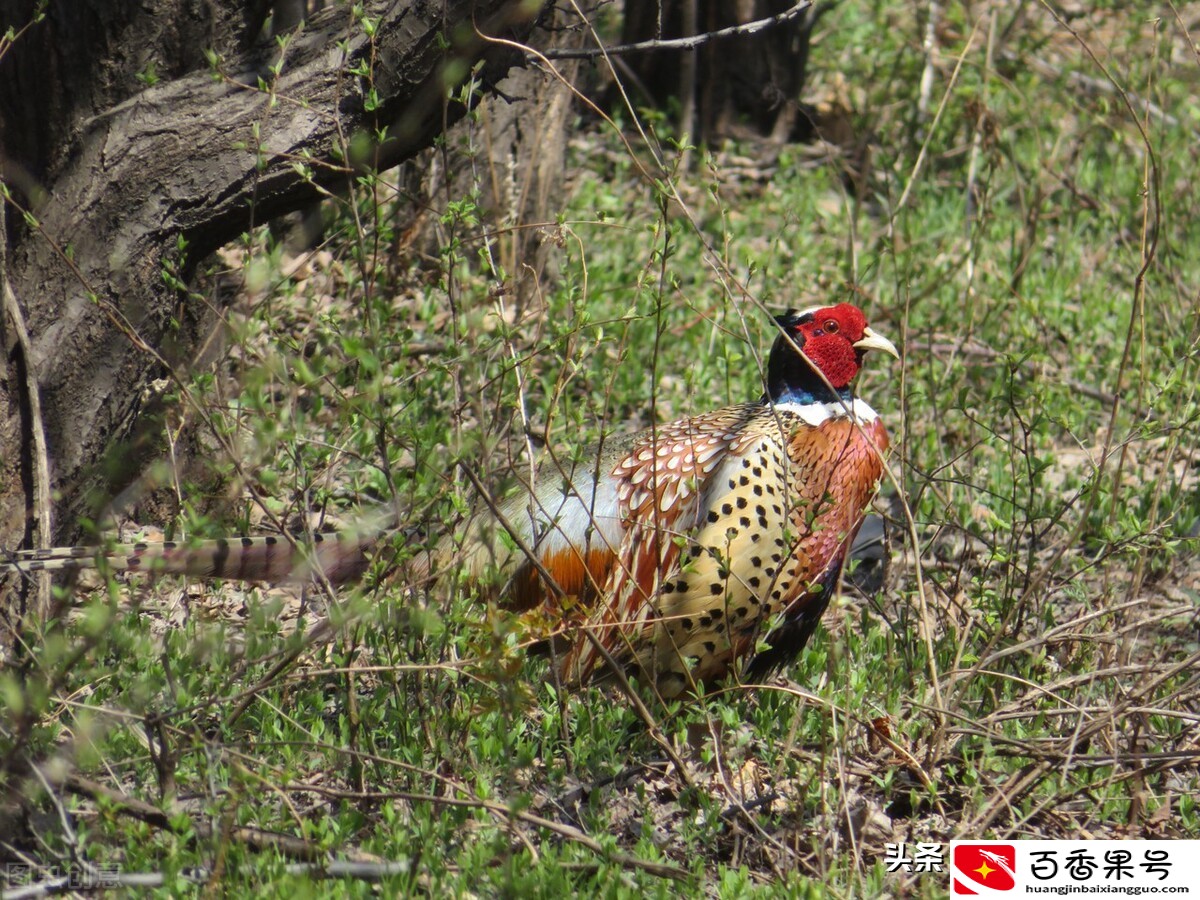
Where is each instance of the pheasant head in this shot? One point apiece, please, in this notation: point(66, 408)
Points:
point(831, 341)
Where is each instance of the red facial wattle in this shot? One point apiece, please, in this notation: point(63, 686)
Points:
point(828, 340)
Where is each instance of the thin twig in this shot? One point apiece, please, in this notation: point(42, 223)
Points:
point(1090, 84)
point(106, 880)
point(298, 848)
point(37, 425)
point(929, 48)
point(504, 811)
point(683, 43)
point(1151, 221)
point(254, 838)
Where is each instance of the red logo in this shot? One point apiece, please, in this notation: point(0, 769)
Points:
point(992, 867)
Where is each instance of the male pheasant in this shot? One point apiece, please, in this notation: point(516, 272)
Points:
point(673, 552)
point(670, 554)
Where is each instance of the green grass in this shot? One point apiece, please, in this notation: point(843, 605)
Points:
point(1045, 615)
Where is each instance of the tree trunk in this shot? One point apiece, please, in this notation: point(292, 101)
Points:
point(121, 184)
point(515, 155)
point(749, 83)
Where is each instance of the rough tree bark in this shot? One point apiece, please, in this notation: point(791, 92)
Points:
point(515, 156)
point(123, 181)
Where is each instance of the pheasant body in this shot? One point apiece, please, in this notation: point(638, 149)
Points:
point(700, 534)
point(670, 554)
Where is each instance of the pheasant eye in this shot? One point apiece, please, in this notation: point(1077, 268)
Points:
point(830, 327)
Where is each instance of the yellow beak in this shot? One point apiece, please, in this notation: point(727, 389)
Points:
point(872, 341)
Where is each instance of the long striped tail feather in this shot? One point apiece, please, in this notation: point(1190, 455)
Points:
point(338, 557)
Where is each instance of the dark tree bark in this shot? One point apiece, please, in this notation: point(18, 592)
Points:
point(126, 181)
point(749, 83)
point(518, 178)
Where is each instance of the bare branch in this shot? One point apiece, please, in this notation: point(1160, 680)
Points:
point(683, 43)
